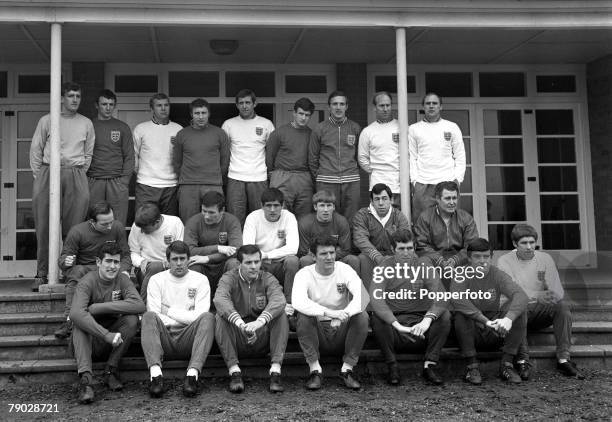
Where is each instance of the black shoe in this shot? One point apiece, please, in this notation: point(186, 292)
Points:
point(111, 379)
point(430, 374)
point(350, 380)
point(508, 373)
point(314, 380)
point(156, 388)
point(569, 370)
point(64, 331)
point(236, 383)
point(86, 392)
point(275, 383)
point(523, 369)
point(394, 374)
point(190, 386)
point(472, 374)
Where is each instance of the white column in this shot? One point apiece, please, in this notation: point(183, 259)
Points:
point(402, 115)
point(54, 161)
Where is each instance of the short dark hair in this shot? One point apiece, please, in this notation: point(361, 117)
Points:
point(324, 196)
point(336, 93)
point(271, 195)
point(322, 240)
point(245, 93)
point(449, 186)
point(108, 94)
point(305, 104)
point(178, 247)
point(99, 208)
point(70, 86)
point(378, 188)
point(212, 197)
point(147, 215)
point(429, 94)
point(380, 93)
point(247, 250)
point(198, 103)
point(109, 247)
point(158, 96)
point(479, 245)
point(401, 236)
point(523, 230)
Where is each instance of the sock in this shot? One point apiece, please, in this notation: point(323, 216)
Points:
point(346, 367)
point(234, 368)
point(86, 377)
point(275, 367)
point(521, 361)
point(507, 358)
point(192, 372)
point(428, 363)
point(562, 360)
point(67, 318)
point(472, 360)
point(155, 371)
point(315, 366)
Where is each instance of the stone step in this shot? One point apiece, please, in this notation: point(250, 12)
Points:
point(29, 323)
point(583, 333)
point(30, 302)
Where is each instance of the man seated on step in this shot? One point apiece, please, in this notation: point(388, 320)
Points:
point(177, 323)
point(372, 227)
point(331, 302)
point(404, 320)
point(537, 274)
point(251, 317)
point(480, 321)
point(79, 253)
point(105, 312)
point(325, 221)
point(213, 235)
point(149, 237)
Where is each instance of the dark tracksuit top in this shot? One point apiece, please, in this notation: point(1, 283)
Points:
point(310, 228)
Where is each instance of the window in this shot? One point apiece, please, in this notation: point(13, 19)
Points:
point(263, 81)
point(193, 84)
point(449, 84)
point(389, 83)
point(136, 83)
point(296, 84)
point(3, 84)
point(555, 83)
point(34, 84)
point(502, 84)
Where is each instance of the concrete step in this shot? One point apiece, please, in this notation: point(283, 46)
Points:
point(30, 302)
point(583, 333)
point(29, 323)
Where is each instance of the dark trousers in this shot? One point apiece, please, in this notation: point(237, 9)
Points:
point(214, 271)
point(422, 197)
point(165, 198)
point(193, 341)
point(190, 199)
point(244, 197)
point(347, 197)
point(113, 191)
point(73, 275)
point(540, 316)
point(232, 342)
point(391, 341)
point(319, 337)
point(74, 202)
point(284, 269)
point(297, 189)
point(471, 334)
point(87, 346)
point(153, 268)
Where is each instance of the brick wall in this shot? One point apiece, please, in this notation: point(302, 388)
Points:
point(90, 75)
point(599, 88)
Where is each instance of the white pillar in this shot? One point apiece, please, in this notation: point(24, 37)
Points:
point(402, 114)
point(54, 161)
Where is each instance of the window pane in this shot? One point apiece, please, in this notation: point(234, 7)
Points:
point(3, 84)
point(262, 83)
point(466, 203)
point(561, 236)
point(558, 179)
point(503, 151)
point(502, 84)
point(389, 83)
point(554, 122)
point(461, 117)
point(449, 84)
point(559, 207)
point(25, 216)
point(305, 84)
point(136, 83)
point(502, 122)
point(34, 84)
point(24, 185)
point(412, 116)
point(193, 84)
point(467, 144)
point(506, 208)
point(23, 154)
point(499, 236)
point(505, 179)
point(27, 121)
point(220, 112)
point(26, 246)
point(466, 186)
point(556, 150)
point(556, 83)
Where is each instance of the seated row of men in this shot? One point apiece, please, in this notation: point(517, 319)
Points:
point(410, 313)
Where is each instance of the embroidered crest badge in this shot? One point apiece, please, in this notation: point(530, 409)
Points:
point(259, 131)
point(447, 136)
point(222, 238)
point(115, 136)
point(191, 292)
point(281, 233)
point(493, 294)
point(116, 295)
point(350, 140)
point(260, 302)
point(395, 137)
point(542, 276)
point(335, 237)
point(341, 287)
point(173, 140)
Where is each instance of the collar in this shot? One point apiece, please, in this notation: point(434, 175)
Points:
point(438, 212)
point(425, 119)
point(250, 118)
point(338, 122)
point(382, 122)
point(383, 220)
point(157, 122)
point(245, 280)
point(198, 128)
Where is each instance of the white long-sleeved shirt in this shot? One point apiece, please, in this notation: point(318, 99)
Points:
point(275, 239)
point(314, 293)
point(152, 247)
point(248, 139)
point(534, 275)
point(153, 154)
point(379, 153)
point(187, 297)
point(437, 153)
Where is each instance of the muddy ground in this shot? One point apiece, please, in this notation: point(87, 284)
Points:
point(548, 396)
